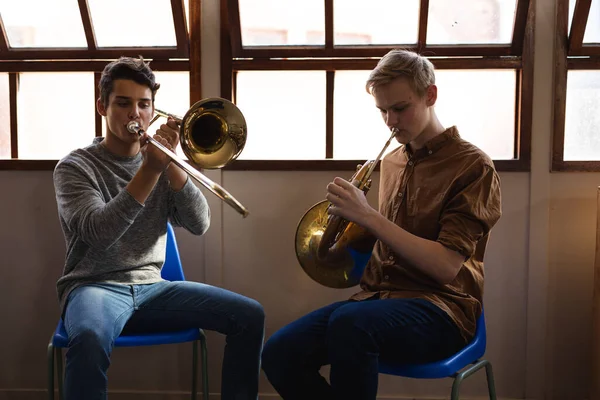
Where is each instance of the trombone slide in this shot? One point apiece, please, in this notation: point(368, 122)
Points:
point(219, 191)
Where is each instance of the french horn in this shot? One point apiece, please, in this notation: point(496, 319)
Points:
point(330, 249)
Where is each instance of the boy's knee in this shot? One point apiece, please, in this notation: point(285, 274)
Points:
point(257, 311)
point(251, 318)
point(347, 327)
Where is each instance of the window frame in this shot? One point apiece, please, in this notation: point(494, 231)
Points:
point(570, 54)
point(93, 52)
point(516, 55)
point(185, 56)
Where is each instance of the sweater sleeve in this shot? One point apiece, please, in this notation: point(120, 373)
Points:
point(189, 209)
point(85, 212)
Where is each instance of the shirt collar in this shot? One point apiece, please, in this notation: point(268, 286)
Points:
point(433, 145)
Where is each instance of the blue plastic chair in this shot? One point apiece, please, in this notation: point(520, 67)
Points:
point(469, 360)
point(172, 271)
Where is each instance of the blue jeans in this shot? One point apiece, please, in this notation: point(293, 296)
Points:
point(352, 336)
point(96, 314)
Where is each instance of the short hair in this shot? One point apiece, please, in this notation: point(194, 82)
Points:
point(402, 63)
point(135, 69)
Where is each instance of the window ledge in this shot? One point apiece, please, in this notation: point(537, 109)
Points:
point(275, 165)
point(575, 166)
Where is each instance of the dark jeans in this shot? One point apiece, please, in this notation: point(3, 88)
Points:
point(97, 314)
point(352, 336)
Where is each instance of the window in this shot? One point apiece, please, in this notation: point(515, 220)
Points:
point(62, 98)
point(576, 144)
point(114, 29)
point(55, 23)
point(4, 117)
point(52, 60)
point(298, 74)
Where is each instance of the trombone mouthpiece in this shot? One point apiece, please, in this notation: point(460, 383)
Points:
point(133, 127)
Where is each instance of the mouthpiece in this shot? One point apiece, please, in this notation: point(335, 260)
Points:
point(133, 127)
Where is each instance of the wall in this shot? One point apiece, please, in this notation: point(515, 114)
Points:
point(538, 268)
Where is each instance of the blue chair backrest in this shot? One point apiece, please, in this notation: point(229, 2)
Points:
point(172, 269)
point(480, 339)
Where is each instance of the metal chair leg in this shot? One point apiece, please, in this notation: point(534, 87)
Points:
point(490, 381)
point(204, 367)
point(59, 372)
point(456, 387)
point(460, 377)
point(194, 369)
point(50, 358)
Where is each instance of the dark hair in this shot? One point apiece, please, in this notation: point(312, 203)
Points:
point(135, 69)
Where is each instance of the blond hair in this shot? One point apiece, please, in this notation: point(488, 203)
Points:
point(402, 63)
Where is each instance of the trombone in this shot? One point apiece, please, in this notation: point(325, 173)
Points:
point(213, 133)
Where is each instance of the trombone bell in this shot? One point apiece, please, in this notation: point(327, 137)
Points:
point(212, 134)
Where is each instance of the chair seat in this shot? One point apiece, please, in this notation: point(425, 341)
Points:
point(448, 367)
point(60, 338)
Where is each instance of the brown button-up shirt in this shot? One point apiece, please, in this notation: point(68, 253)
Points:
point(449, 192)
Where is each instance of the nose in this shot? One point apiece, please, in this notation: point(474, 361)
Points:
point(134, 112)
point(391, 119)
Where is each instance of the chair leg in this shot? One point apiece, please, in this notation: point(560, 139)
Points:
point(59, 372)
point(50, 357)
point(204, 368)
point(490, 381)
point(460, 377)
point(194, 369)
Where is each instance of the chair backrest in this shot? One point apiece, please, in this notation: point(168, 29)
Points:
point(172, 269)
point(479, 341)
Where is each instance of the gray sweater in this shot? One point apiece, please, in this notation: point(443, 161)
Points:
point(110, 237)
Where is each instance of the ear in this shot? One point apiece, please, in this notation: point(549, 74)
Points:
point(100, 107)
point(431, 95)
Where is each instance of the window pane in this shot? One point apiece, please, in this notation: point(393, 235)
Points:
point(359, 132)
point(46, 129)
point(4, 117)
point(285, 113)
point(470, 21)
point(481, 103)
point(48, 23)
point(282, 22)
point(142, 23)
point(172, 97)
point(398, 24)
point(571, 12)
point(186, 5)
point(464, 99)
point(592, 28)
point(582, 142)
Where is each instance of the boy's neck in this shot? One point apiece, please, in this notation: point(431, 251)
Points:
point(432, 129)
point(120, 148)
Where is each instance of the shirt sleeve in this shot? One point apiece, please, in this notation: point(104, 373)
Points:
point(189, 209)
point(472, 212)
point(81, 205)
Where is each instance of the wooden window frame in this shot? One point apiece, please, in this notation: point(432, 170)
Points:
point(93, 52)
point(517, 55)
point(570, 54)
point(185, 56)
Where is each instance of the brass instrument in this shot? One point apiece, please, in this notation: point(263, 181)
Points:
point(331, 250)
point(213, 133)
